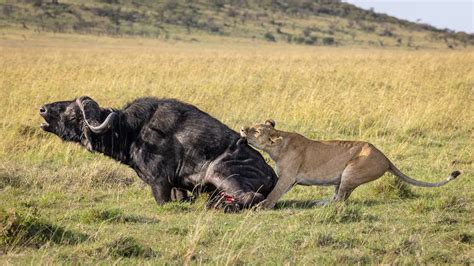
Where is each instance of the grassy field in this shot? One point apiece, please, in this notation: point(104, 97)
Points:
point(61, 204)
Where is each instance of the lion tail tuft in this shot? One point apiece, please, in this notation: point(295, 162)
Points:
point(453, 175)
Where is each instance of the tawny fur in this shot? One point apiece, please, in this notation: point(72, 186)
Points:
point(344, 164)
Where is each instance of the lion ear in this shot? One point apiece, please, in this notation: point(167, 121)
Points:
point(275, 139)
point(270, 122)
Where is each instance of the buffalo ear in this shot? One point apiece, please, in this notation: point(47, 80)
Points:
point(92, 114)
point(270, 122)
point(90, 109)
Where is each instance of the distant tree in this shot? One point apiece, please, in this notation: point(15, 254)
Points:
point(350, 24)
point(353, 35)
point(7, 10)
point(171, 5)
point(38, 3)
point(269, 37)
point(299, 39)
point(328, 41)
point(218, 3)
point(54, 2)
point(310, 40)
point(214, 27)
point(232, 12)
point(387, 32)
point(306, 32)
point(333, 26)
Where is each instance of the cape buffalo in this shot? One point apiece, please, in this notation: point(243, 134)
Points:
point(173, 146)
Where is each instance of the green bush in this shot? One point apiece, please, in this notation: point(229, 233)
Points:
point(269, 37)
point(328, 41)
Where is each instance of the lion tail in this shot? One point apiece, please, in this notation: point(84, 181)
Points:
point(395, 171)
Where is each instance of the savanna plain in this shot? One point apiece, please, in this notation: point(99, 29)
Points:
point(62, 204)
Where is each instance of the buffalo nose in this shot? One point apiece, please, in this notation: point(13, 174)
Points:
point(43, 110)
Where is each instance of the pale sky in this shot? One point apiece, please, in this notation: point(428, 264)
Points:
point(452, 14)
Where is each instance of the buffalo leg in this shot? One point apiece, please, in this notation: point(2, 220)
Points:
point(250, 199)
point(178, 194)
point(233, 192)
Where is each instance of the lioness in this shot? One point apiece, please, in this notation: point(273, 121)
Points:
point(344, 164)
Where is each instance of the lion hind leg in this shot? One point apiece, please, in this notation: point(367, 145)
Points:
point(361, 170)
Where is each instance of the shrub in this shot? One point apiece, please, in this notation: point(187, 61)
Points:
point(306, 32)
point(7, 10)
point(386, 32)
point(232, 13)
point(269, 37)
point(310, 40)
point(328, 41)
point(299, 39)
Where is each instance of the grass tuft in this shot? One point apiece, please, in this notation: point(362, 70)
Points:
point(352, 260)
point(112, 215)
point(125, 247)
point(408, 245)
point(12, 179)
point(465, 238)
point(25, 228)
point(453, 203)
point(329, 240)
point(393, 187)
point(345, 213)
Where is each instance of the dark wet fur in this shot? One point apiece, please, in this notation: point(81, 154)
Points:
point(173, 146)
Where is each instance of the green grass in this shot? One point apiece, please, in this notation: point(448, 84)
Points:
point(61, 204)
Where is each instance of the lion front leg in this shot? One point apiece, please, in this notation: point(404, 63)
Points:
point(285, 182)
